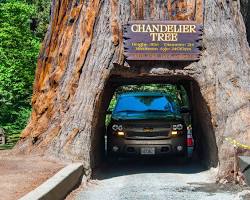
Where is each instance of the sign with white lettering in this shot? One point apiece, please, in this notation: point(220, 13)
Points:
point(162, 40)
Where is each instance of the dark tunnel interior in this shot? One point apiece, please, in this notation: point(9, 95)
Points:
point(205, 147)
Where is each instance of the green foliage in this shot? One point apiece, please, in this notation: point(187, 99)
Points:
point(18, 54)
point(6, 146)
point(40, 19)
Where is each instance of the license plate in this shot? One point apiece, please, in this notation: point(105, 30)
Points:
point(148, 151)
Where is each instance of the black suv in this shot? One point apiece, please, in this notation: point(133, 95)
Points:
point(146, 123)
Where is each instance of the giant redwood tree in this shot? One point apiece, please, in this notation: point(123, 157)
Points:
point(83, 51)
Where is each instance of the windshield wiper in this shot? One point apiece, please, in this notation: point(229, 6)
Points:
point(141, 111)
point(130, 111)
point(152, 110)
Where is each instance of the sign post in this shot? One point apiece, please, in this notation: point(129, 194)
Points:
point(162, 40)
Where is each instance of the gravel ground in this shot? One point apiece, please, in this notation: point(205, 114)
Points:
point(156, 179)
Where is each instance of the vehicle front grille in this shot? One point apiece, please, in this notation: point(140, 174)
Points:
point(147, 135)
point(147, 129)
point(147, 132)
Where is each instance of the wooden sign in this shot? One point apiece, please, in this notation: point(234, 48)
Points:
point(162, 40)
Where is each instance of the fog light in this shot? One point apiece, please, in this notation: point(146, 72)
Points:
point(174, 133)
point(115, 148)
point(120, 133)
point(179, 148)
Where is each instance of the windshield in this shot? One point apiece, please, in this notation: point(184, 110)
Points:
point(135, 104)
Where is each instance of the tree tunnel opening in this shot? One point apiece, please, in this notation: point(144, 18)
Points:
point(205, 147)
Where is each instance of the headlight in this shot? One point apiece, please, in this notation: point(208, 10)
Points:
point(116, 127)
point(177, 127)
point(120, 128)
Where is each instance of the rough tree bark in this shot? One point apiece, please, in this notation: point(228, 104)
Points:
point(77, 58)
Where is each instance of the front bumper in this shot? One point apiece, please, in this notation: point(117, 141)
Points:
point(127, 147)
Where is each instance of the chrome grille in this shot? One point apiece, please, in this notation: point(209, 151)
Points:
point(148, 131)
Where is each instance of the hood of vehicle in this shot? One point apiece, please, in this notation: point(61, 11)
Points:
point(138, 116)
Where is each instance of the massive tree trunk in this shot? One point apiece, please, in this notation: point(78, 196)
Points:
point(83, 50)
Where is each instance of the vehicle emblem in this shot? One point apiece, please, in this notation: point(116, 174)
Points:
point(148, 129)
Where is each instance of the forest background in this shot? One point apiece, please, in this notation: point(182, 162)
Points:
point(23, 25)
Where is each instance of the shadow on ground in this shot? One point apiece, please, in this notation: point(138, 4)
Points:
point(130, 166)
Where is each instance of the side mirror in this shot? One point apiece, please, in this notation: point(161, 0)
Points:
point(185, 110)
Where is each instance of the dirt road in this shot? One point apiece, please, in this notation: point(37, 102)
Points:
point(19, 174)
point(152, 180)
